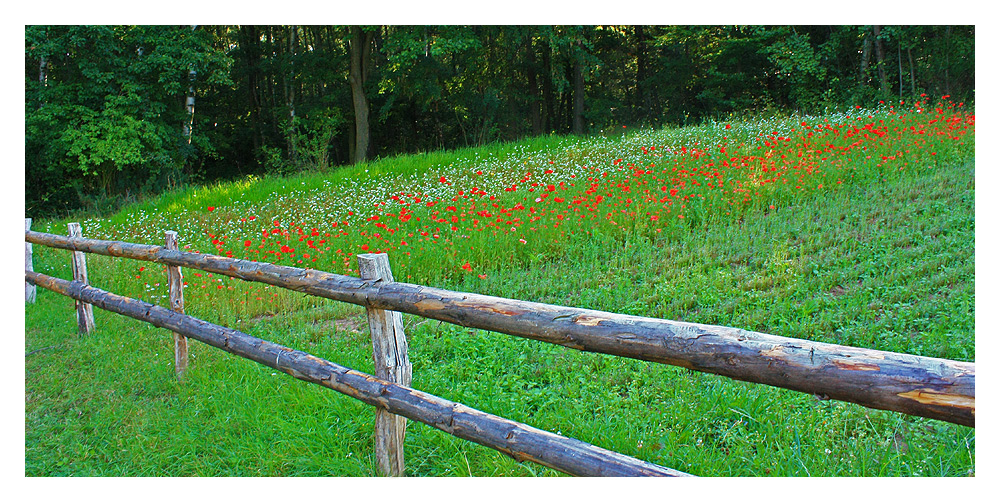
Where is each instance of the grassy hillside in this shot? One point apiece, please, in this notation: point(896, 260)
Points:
point(854, 228)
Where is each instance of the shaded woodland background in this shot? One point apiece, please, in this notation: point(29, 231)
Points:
point(116, 113)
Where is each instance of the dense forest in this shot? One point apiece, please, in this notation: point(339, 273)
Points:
point(113, 113)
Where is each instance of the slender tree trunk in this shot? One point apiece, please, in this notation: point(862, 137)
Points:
point(578, 92)
point(271, 103)
point(880, 60)
point(548, 96)
point(947, 59)
point(267, 93)
point(43, 77)
point(866, 44)
point(360, 48)
point(189, 103)
point(565, 115)
point(531, 72)
point(641, 91)
point(290, 96)
point(249, 41)
point(352, 143)
point(913, 80)
point(899, 54)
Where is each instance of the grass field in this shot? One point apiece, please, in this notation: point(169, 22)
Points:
point(853, 228)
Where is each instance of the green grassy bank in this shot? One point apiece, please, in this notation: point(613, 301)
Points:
point(870, 252)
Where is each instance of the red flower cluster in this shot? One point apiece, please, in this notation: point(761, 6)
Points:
point(648, 190)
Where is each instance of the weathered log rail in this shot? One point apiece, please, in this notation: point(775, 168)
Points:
point(520, 441)
point(923, 386)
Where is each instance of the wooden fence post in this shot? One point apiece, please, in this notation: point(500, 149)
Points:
point(175, 280)
point(29, 289)
point(392, 363)
point(84, 311)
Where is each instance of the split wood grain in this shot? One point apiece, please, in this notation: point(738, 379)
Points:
point(392, 363)
point(84, 311)
point(29, 289)
point(175, 282)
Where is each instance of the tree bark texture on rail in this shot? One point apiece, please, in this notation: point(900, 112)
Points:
point(916, 385)
point(520, 441)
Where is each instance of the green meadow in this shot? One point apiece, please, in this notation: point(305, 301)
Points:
point(850, 228)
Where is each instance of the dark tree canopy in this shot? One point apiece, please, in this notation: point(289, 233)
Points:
point(116, 112)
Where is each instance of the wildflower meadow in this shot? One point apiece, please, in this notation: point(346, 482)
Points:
point(852, 227)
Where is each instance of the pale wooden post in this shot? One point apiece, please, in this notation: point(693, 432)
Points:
point(175, 281)
point(29, 289)
point(84, 310)
point(391, 363)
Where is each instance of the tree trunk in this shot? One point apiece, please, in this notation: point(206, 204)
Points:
point(290, 96)
point(249, 41)
point(272, 104)
point(880, 60)
point(534, 101)
point(642, 101)
point(899, 54)
point(189, 102)
point(866, 44)
point(947, 59)
point(360, 48)
point(548, 96)
point(913, 79)
point(578, 126)
point(566, 102)
point(43, 76)
point(352, 143)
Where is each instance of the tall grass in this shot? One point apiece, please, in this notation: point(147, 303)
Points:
point(870, 251)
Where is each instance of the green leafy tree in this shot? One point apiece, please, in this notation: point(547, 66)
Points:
point(109, 110)
point(108, 117)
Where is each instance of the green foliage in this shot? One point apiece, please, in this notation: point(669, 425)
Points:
point(797, 63)
point(105, 114)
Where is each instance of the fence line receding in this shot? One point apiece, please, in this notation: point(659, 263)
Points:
point(520, 441)
point(915, 385)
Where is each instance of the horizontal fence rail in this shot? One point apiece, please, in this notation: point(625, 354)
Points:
point(916, 385)
point(520, 441)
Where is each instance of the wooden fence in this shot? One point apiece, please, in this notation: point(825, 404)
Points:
point(915, 385)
